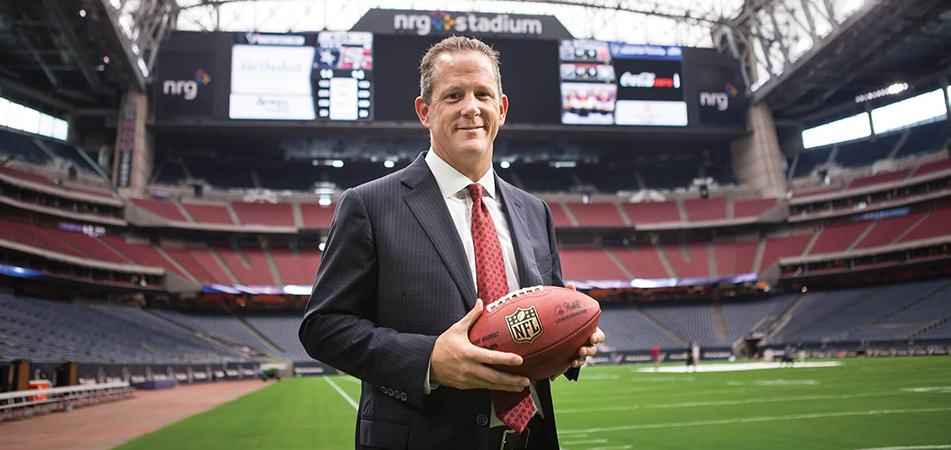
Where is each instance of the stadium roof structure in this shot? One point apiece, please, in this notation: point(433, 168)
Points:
point(883, 43)
point(76, 56)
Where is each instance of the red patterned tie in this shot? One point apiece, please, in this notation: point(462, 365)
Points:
point(515, 409)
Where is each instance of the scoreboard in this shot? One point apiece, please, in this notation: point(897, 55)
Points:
point(358, 76)
point(612, 83)
point(290, 77)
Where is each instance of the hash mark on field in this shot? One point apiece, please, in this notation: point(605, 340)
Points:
point(875, 412)
point(341, 392)
point(728, 402)
point(592, 441)
point(911, 447)
point(936, 390)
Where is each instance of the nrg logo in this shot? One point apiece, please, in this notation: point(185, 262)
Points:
point(187, 88)
point(721, 100)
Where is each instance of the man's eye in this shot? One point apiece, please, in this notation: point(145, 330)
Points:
point(454, 95)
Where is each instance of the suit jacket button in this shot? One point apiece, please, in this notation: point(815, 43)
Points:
point(482, 420)
point(403, 396)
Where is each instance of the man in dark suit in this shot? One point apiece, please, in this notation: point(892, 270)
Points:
point(398, 283)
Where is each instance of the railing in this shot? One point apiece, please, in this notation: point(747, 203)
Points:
point(19, 404)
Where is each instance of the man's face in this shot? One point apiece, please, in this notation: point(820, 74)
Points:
point(465, 111)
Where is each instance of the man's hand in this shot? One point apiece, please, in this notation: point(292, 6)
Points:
point(459, 364)
point(584, 352)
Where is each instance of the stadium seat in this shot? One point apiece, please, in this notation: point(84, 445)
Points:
point(596, 214)
point(652, 212)
point(297, 267)
point(781, 247)
point(887, 230)
point(701, 209)
point(752, 207)
point(589, 264)
point(249, 265)
point(162, 208)
point(315, 215)
point(209, 213)
point(642, 261)
point(837, 238)
point(270, 214)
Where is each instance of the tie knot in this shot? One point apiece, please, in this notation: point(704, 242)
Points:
point(475, 190)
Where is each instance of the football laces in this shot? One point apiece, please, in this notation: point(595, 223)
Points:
point(498, 303)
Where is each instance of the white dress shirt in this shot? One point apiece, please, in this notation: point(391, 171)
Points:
point(453, 186)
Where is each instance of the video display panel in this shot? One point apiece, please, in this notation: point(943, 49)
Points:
point(611, 83)
point(302, 77)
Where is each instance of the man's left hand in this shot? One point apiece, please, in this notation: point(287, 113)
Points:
point(584, 352)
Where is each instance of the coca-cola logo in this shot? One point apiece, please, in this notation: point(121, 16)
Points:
point(649, 80)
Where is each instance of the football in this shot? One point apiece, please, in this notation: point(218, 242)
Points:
point(545, 325)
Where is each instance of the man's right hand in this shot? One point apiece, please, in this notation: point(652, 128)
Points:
point(459, 364)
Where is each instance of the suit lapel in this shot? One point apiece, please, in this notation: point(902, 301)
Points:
point(524, 255)
point(425, 200)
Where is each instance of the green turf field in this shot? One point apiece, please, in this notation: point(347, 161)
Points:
point(868, 403)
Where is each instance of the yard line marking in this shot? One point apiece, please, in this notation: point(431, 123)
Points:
point(592, 441)
point(874, 412)
point(341, 392)
point(728, 402)
point(910, 447)
point(612, 448)
point(352, 380)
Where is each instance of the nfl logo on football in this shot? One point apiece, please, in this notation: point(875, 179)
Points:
point(524, 325)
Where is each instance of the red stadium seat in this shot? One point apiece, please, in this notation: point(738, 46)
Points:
point(298, 268)
point(252, 270)
point(317, 216)
point(589, 264)
point(837, 238)
point(163, 208)
point(752, 207)
point(559, 216)
point(596, 214)
point(209, 213)
point(271, 214)
point(701, 210)
point(886, 230)
point(782, 247)
point(642, 261)
point(652, 212)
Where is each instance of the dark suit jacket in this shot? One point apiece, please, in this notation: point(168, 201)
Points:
point(393, 277)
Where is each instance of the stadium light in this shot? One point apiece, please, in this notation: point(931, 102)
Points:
point(321, 246)
point(338, 163)
point(143, 67)
point(505, 164)
point(910, 111)
point(847, 129)
point(563, 164)
point(389, 164)
point(895, 88)
point(82, 12)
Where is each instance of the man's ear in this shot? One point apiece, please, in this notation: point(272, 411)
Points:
point(503, 109)
point(422, 111)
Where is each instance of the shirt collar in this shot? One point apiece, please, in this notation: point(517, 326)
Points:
point(450, 181)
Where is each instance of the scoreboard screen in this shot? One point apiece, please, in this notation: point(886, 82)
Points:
point(302, 77)
point(611, 83)
point(330, 77)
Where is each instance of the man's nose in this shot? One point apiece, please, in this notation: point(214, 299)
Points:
point(470, 107)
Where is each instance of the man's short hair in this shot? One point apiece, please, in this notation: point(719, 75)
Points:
point(458, 44)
